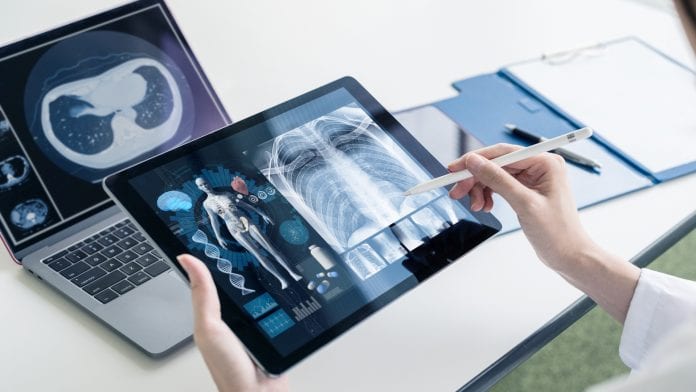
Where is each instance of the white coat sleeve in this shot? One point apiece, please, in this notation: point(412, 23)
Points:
point(660, 304)
point(668, 367)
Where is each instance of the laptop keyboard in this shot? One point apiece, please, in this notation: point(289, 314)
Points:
point(110, 263)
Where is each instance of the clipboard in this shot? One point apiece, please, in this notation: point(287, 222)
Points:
point(641, 102)
point(519, 94)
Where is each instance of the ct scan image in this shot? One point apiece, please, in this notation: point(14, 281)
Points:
point(88, 99)
point(25, 206)
point(101, 99)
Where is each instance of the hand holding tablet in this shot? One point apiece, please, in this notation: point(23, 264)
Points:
point(225, 355)
point(299, 215)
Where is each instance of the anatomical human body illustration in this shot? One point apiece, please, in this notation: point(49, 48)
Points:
point(235, 214)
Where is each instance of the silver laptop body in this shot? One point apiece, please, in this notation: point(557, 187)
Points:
point(155, 316)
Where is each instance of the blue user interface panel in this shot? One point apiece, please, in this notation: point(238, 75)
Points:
point(301, 219)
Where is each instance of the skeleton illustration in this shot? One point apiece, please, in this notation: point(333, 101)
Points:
point(235, 214)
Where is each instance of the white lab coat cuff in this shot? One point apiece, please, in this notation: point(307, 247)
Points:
point(660, 303)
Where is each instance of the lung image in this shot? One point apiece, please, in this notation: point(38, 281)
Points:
point(344, 175)
point(100, 100)
point(117, 115)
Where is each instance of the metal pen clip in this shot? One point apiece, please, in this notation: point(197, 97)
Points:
point(562, 57)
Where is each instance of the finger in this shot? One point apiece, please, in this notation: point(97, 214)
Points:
point(222, 350)
point(476, 194)
point(461, 188)
point(206, 304)
point(488, 197)
point(495, 151)
point(544, 160)
point(496, 178)
point(489, 152)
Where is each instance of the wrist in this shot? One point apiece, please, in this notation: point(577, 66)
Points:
point(606, 278)
point(584, 255)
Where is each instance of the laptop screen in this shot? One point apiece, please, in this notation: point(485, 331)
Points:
point(88, 99)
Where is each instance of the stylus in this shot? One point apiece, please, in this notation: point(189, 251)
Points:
point(515, 156)
point(568, 155)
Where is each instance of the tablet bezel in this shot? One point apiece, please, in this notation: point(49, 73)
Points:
point(119, 186)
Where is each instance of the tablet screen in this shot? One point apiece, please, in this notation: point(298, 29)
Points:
point(302, 220)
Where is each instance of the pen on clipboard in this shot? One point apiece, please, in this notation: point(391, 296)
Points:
point(569, 156)
point(503, 160)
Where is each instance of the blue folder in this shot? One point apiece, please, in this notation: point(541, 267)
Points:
point(486, 102)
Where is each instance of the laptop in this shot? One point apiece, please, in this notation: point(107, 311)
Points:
point(81, 102)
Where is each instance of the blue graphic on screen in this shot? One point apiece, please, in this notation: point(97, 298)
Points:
point(276, 323)
point(174, 201)
point(223, 265)
point(294, 232)
point(322, 281)
point(260, 305)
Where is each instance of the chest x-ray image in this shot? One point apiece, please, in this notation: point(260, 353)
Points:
point(344, 175)
point(235, 213)
point(121, 98)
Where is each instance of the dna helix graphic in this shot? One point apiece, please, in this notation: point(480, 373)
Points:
point(224, 265)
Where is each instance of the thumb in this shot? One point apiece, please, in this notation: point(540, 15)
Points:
point(206, 304)
point(496, 178)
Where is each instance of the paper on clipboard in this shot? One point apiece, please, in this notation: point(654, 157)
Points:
point(636, 98)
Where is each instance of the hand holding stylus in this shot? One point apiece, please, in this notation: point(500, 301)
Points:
point(536, 188)
point(506, 159)
point(538, 191)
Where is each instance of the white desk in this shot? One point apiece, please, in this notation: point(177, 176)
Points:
point(406, 52)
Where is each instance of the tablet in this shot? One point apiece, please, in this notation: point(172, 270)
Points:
point(299, 214)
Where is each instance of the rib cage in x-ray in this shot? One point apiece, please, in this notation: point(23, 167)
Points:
point(344, 175)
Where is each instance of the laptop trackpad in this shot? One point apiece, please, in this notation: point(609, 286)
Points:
point(158, 315)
